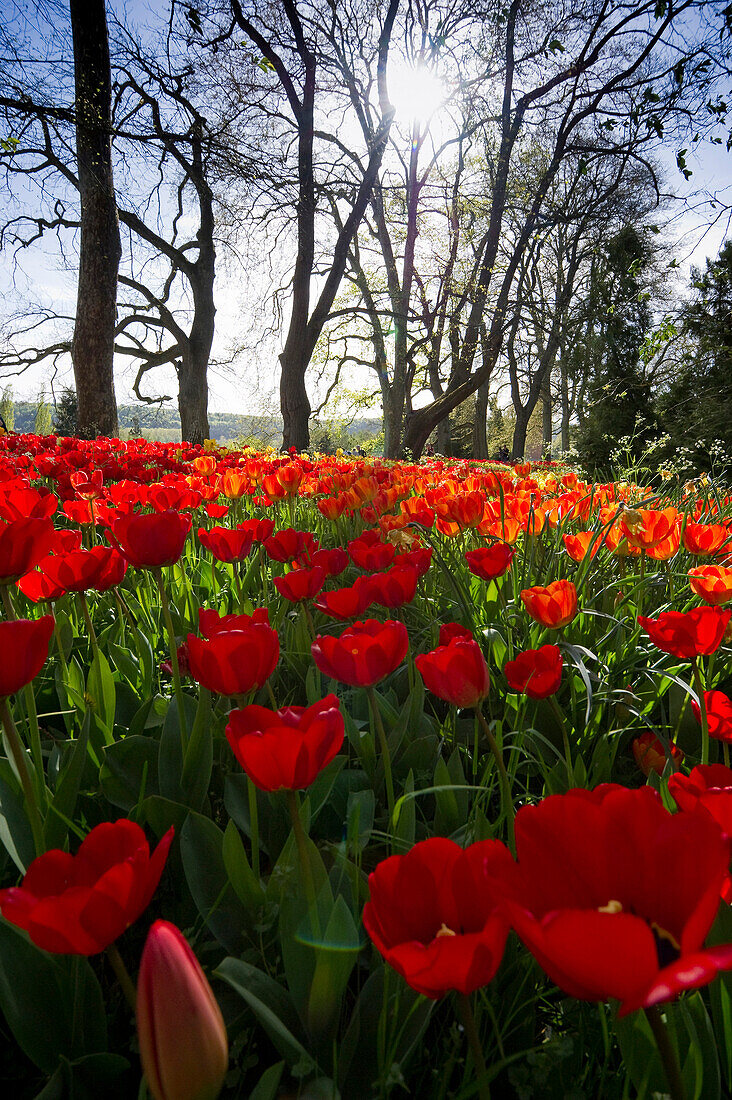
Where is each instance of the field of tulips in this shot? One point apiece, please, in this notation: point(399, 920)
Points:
point(330, 777)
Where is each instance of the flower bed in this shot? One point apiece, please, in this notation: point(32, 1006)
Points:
point(372, 778)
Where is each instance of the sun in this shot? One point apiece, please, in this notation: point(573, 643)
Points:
point(416, 92)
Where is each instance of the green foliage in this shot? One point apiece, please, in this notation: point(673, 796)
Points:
point(66, 414)
point(44, 416)
point(7, 408)
point(696, 409)
point(619, 398)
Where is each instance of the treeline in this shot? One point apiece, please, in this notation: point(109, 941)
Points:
point(163, 424)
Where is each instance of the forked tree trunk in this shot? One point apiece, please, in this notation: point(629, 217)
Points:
point(92, 348)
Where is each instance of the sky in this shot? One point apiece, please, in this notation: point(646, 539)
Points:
point(697, 227)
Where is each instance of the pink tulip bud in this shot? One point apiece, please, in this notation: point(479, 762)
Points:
point(183, 1045)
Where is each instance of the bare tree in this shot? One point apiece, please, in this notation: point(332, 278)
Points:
point(92, 347)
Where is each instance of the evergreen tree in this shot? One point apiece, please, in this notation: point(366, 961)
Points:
point(65, 417)
point(696, 410)
point(619, 400)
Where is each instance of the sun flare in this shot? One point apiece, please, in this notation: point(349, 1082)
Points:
point(416, 92)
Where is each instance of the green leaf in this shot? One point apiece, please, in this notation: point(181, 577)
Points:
point(15, 831)
point(89, 1078)
point(201, 849)
point(101, 692)
point(67, 790)
point(241, 876)
point(269, 1003)
point(129, 771)
point(267, 1088)
point(52, 1004)
point(406, 816)
point(335, 961)
point(170, 755)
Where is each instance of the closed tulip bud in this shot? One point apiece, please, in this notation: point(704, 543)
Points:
point(183, 1045)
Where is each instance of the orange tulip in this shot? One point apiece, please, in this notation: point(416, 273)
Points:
point(234, 484)
point(666, 549)
point(650, 755)
point(712, 583)
point(583, 543)
point(705, 538)
point(553, 606)
point(646, 528)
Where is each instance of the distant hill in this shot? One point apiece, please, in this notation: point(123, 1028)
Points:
point(163, 424)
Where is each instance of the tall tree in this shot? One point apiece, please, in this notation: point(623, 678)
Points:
point(92, 346)
point(294, 59)
point(696, 403)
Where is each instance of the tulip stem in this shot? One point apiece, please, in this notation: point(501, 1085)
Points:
point(173, 659)
point(271, 694)
point(668, 1054)
point(507, 798)
point(467, 1018)
point(88, 623)
point(17, 752)
point(305, 867)
point(388, 778)
point(565, 738)
point(699, 685)
point(725, 753)
point(253, 826)
point(123, 976)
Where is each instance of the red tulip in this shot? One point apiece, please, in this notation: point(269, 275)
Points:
point(226, 545)
point(150, 541)
point(436, 916)
point(456, 672)
point(395, 588)
point(89, 484)
point(617, 895)
point(300, 584)
point(364, 653)
point(489, 562)
point(290, 545)
point(535, 672)
point(37, 586)
point(78, 905)
point(346, 603)
point(708, 785)
point(333, 562)
point(688, 634)
point(369, 553)
point(448, 631)
point(100, 568)
point(233, 662)
point(286, 749)
point(23, 542)
point(183, 1045)
point(719, 714)
point(24, 647)
point(553, 606)
point(210, 622)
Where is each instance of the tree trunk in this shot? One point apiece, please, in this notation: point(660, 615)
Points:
point(294, 401)
point(565, 407)
point(92, 348)
point(480, 435)
point(193, 399)
point(546, 417)
point(393, 406)
point(519, 434)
